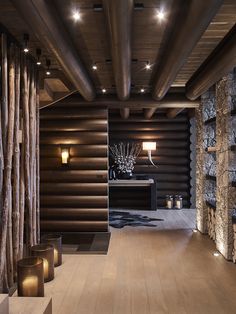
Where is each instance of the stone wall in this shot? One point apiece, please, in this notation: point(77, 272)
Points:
point(204, 162)
point(216, 195)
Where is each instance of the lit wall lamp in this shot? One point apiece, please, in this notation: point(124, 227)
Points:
point(149, 146)
point(64, 155)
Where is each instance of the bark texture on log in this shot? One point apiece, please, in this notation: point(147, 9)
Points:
point(19, 160)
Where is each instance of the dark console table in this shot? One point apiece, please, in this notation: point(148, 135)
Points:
point(138, 183)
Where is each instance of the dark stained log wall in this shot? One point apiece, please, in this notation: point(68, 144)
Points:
point(74, 197)
point(172, 155)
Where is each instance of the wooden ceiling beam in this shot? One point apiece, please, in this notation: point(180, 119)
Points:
point(148, 112)
point(172, 113)
point(189, 20)
point(219, 63)
point(119, 16)
point(136, 101)
point(124, 113)
point(41, 17)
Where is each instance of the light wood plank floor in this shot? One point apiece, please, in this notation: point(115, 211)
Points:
point(168, 269)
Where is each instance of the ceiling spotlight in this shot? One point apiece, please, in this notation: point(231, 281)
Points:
point(48, 64)
point(76, 16)
point(104, 90)
point(216, 254)
point(142, 90)
point(94, 67)
point(148, 66)
point(161, 15)
point(38, 54)
point(26, 43)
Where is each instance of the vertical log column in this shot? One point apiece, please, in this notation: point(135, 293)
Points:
point(225, 194)
point(200, 175)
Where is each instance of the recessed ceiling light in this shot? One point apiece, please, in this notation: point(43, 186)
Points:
point(94, 67)
point(161, 15)
point(216, 254)
point(148, 66)
point(142, 90)
point(38, 53)
point(48, 64)
point(26, 43)
point(104, 90)
point(76, 16)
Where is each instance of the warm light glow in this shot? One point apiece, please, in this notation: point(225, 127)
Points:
point(104, 90)
point(216, 254)
point(76, 16)
point(142, 90)
point(149, 146)
point(26, 50)
point(38, 63)
point(161, 15)
point(56, 256)
point(94, 67)
point(148, 66)
point(48, 72)
point(30, 286)
point(45, 268)
point(64, 155)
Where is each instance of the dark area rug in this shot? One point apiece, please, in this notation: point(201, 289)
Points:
point(120, 219)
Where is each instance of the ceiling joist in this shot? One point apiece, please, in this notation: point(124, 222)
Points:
point(136, 101)
point(124, 113)
point(221, 61)
point(148, 112)
point(41, 17)
point(119, 16)
point(172, 113)
point(188, 24)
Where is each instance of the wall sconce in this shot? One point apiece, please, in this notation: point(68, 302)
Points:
point(46, 252)
point(149, 146)
point(55, 241)
point(64, 155)
point(30, 282)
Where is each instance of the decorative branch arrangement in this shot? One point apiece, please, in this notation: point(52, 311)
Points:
point(19, 162)
point(124, 156)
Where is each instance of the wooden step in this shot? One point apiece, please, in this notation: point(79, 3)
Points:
point(4, 304)
point(25, 305)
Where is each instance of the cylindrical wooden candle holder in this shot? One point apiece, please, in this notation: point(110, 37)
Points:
point(46, 252)
point(56, 241)
point(30, 277)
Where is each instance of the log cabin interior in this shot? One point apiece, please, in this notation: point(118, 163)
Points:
point(117, 156)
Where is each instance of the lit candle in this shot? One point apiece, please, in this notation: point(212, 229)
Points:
point(169, 204)
point(30, 286)
point(45, 268)
point(55, 256)
point(178, 204)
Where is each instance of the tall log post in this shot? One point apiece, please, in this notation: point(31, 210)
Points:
point(37, 163)
point(6, 210)
point(32, 107)
point(16, 167)
point(4, 89)
point(26, 157)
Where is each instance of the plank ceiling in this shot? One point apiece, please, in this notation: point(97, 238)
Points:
point(90, 36)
